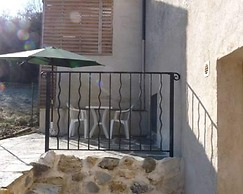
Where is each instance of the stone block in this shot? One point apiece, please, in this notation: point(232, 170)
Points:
point(168, 167)
point(48, 159)
point(102, 177)
point(54, 180)
point(117, 187)
point(92, 187)
point(72, 188)
point(91, 161)
point(109, 163)
point(140, 187)
point(69, 164)
point(78, 176)
point(149, 164)
point(22, 184)
point(5, 191)
point(127, 162)
point(45, 188)
point(126, 173)
point(38, 169)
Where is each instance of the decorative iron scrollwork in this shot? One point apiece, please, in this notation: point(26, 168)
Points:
point(43, 74)
point(177, 76)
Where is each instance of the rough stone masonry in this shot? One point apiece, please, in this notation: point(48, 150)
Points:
point(62, 174)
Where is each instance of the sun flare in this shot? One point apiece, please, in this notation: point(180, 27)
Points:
point(12, 7)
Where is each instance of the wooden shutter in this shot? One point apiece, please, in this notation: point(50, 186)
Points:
point(81, 26)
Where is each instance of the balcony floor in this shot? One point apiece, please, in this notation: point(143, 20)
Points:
point(137, 146)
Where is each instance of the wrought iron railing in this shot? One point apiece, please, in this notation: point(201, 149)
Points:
point(120, 111)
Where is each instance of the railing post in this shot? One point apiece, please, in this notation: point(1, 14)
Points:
point(173, 77)
point(171, 115)
point(47, 120)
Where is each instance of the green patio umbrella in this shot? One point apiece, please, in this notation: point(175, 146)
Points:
point(50, 56)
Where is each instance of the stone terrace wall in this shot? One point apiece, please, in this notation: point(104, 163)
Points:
point(61, 174)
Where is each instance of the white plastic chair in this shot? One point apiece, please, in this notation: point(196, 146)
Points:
point(74, 119)
point(121, 116)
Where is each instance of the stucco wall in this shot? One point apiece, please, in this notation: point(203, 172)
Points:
point(214, 29)
point(165, 50)
point(183, 36)
point(230, 114)
point(127, 38)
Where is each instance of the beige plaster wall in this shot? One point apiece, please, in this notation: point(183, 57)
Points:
point(166, 51)
point(230, 122)
point(183, 36)
point(214, 29)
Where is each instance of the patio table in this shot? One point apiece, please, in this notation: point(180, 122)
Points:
point(95, 111)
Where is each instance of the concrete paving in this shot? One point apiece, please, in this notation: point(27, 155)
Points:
point(17, 153)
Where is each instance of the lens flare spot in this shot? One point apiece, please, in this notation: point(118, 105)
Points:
point(2, 87)
point(75, 17)
point(29, 45)
point(23, 35)
point(99, 83)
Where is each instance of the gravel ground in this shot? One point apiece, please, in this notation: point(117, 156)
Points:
point(16, 109)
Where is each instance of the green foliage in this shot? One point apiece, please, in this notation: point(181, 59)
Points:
point(19, 33)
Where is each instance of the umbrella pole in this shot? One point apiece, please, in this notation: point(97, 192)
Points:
point(52, 95)
point(52, 101)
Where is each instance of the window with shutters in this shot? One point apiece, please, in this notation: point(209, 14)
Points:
point(81, 26)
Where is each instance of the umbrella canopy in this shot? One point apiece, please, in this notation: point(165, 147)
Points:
point(50, 56)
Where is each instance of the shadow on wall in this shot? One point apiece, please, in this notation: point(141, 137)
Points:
point(200, 148)
point(195, 132)
point(166, 39)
